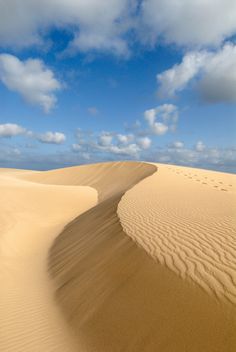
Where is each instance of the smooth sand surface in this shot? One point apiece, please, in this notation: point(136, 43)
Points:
point(31, 215)
point(107, 178)
point(151, 267)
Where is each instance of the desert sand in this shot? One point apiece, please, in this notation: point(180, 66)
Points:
point(31, 215)
point(123, 256)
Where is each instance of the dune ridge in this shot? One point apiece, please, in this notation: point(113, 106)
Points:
point(107, 178)
point(116, 297)
point(121, 270)
point(187, 224)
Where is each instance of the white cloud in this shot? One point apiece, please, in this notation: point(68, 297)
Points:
point(177, 145)
point(200, 146)
point(130, 150)
point(11, 129)
point(150, 116)
point(159, 128)
point(101, 25)
point(76, 147)
point(125, 138)
point(105, 144)
point(95, 24)
point(214, 73)
point(52, 138)
point(105, 139)
point(221, 159)
point(176, 78)
point(31, 79)
point(168, 113)
point(144, 142)
point(103, 41)
point(113, 144)
point(189, 22)
point(219, 77)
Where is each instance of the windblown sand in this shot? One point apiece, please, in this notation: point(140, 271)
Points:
point(31, 216)
point(149, 266)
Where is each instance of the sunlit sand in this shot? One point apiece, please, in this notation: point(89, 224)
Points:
point(123, 256)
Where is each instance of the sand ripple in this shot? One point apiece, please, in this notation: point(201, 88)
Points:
point(187, 225)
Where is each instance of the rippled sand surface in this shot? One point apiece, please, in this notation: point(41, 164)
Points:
point(121, 256)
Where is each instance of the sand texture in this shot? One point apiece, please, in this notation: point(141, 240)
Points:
point(146, 260)
point(31, 216)
point(186, 220)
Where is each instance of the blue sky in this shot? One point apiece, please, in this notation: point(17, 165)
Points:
point(90, 81)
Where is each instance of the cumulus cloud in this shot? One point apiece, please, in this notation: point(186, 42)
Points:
point(221, 159)
point(189, 22)
point(104, 25)
point(159, 128)
point(144, 142)
point(105, 139)
point(218, 83)
point(125, 138)
point(76, 147)
point(130, 150)
point(113, 145)
point(200, 146)
point(176, 78)
point(31, 79)
point(214, 73)
point(167, 113)
point(117, 144)
point(177, 145)
point(95, 24)
point(10, 129)
point(52, 138)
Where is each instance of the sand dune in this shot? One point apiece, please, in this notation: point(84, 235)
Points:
point(186, 220)
point(116, 298)
point(107, 178)
point(150, 268)
point(31, 216)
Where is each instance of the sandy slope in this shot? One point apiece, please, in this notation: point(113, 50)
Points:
point(150, 268)
point(117, 298)
point(107, 178)
point(31, 215)
point(186, 219)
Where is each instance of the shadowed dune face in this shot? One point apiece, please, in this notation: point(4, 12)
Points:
point(116, 298)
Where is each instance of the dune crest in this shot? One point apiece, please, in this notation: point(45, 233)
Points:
point(107, 178)
point(187, 224)
point(145, 263)
point(116, 297)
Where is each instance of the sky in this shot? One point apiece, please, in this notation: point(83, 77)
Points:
point(84, 81)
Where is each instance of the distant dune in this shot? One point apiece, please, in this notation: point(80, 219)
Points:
point(146, 260)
